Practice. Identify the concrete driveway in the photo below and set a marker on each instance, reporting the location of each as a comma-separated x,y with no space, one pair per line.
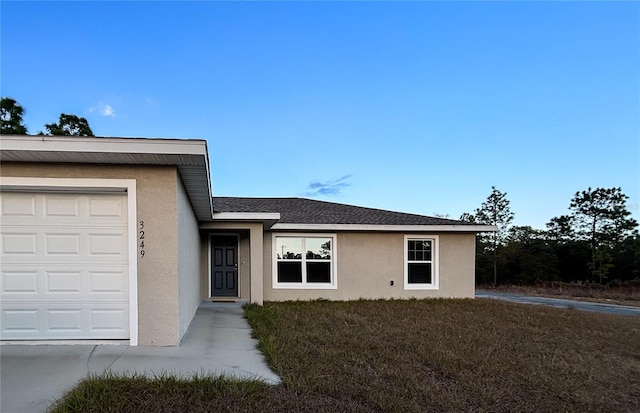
218,341
560,303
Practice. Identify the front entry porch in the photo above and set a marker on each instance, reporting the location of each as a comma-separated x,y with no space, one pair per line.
232,261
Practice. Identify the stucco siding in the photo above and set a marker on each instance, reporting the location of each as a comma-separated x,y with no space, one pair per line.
367,262
156,206
244,259
458,265
189,295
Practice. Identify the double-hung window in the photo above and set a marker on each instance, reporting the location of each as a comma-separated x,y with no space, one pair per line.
304,261
421,262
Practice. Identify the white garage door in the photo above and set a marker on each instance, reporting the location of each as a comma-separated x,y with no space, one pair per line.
64,266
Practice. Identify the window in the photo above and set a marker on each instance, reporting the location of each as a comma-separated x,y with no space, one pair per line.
304,261
421,262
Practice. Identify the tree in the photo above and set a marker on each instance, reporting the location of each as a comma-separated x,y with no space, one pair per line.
559,230
495,211
601,218
626,259
467,217
11,115
528,256
69,125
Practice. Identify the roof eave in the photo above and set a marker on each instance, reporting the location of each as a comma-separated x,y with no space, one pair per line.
245,216
190,157
267,219
383,228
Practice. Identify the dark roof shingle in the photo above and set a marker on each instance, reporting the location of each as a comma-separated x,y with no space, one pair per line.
311,211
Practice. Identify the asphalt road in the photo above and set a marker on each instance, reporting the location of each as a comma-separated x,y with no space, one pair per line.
560,303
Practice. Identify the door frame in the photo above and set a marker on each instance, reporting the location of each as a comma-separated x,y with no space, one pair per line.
223,234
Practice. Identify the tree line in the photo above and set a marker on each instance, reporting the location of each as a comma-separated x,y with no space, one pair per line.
12,113
597,242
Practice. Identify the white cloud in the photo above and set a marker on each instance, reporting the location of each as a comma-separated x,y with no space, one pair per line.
107,110
103,109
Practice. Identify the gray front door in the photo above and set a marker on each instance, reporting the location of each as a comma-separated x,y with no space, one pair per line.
224,266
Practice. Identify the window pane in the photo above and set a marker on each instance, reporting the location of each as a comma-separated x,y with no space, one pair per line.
426,248
319,272
318,248
289,272
288,248
419,273
419,250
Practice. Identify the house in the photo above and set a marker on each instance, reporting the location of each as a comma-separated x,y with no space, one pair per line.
121,239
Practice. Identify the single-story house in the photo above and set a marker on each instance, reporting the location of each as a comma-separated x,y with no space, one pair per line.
121,239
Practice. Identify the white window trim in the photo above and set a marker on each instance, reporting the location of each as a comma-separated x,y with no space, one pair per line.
435,262
304,285
88,185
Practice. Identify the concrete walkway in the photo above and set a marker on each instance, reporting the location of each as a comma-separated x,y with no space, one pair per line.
560,303
218,342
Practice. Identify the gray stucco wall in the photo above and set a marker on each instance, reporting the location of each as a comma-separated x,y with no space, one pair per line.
368,261
189,293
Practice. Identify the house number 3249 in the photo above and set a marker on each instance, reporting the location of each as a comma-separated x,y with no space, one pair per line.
141,238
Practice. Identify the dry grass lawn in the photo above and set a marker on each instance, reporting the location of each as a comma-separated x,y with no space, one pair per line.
409,356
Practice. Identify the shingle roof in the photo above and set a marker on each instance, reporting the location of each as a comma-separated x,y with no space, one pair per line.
311,211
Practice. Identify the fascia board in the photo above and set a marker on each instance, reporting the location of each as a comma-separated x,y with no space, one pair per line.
384,228
246,216
103,145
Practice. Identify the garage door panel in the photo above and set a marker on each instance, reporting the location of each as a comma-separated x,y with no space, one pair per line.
61,206
18,205
106,209
107,243
110,320
18,282
64,266
51,208
18,243
20,322
112,283
35,321
59,282
56,282
64,320
62,243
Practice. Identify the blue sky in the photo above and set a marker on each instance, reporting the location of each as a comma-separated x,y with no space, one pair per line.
411,106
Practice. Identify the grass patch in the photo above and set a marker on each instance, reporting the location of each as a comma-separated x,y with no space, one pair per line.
165,393
456,355
408,356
